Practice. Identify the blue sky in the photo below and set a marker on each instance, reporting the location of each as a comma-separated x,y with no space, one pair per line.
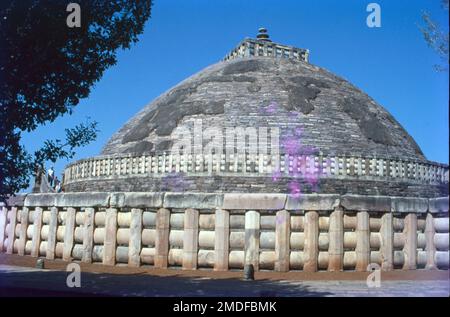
392,64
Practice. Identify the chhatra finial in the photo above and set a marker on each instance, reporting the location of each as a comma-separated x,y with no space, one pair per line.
262,35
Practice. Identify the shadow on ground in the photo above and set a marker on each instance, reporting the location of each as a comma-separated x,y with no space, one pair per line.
53,283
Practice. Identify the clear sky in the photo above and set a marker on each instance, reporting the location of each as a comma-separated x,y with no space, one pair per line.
392,64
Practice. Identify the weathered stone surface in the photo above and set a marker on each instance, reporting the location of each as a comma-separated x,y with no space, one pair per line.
190,239
366,203
17,200
257,184
40,200
23,216
335,117
254,201
91,199
69,234
282,239
336,240
438,204
162,238
88,235
221,241
134,258
136,199
139,200
410,248
293,85
3,214
109,250
387,243
430,248
52,227
116,200
312,202
12,230
252,229
192,200
36,235
311,249
362,250
409,204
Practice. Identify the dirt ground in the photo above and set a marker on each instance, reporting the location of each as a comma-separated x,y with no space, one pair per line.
417,275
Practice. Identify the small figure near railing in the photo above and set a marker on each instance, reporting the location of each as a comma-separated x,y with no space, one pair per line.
46,182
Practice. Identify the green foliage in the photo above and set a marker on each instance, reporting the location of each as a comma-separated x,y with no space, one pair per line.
47,67
78,136
436,37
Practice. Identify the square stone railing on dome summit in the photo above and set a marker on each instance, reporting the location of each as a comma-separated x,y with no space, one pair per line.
253,47
226,231
257,165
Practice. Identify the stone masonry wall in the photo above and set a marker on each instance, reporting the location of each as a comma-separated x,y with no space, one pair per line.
226,231
255,173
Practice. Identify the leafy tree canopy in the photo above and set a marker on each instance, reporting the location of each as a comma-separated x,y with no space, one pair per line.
436,37
46,67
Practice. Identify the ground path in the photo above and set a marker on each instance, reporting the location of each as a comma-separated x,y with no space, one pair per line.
19,278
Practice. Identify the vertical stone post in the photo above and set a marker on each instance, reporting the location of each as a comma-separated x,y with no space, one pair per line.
336,238
68,234
23,231
109,249
12,230
362,241
430,248
387,242
252,226
282,240
410,248
37,226
221,240
88,236
134,245
51,240
3,214
190,239
162,237
311,249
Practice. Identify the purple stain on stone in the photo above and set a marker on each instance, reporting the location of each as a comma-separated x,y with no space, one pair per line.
270,109
294,189
291,145
297,167
280,219
293,114
174,182
276,175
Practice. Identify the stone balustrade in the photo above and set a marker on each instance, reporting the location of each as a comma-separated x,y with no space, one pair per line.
319,166
253,47
226,231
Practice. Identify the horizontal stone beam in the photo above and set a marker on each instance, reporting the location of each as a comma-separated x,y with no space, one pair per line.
89,199
312,202
366,203
254,201
409,204
40,200
438,204
17,200
192,200
233,201
136,200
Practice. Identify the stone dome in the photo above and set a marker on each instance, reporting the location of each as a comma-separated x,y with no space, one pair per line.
335,117
262,120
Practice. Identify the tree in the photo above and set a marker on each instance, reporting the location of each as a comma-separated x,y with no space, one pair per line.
46,67
436,37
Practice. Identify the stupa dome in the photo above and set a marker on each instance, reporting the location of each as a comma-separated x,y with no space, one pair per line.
257,121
